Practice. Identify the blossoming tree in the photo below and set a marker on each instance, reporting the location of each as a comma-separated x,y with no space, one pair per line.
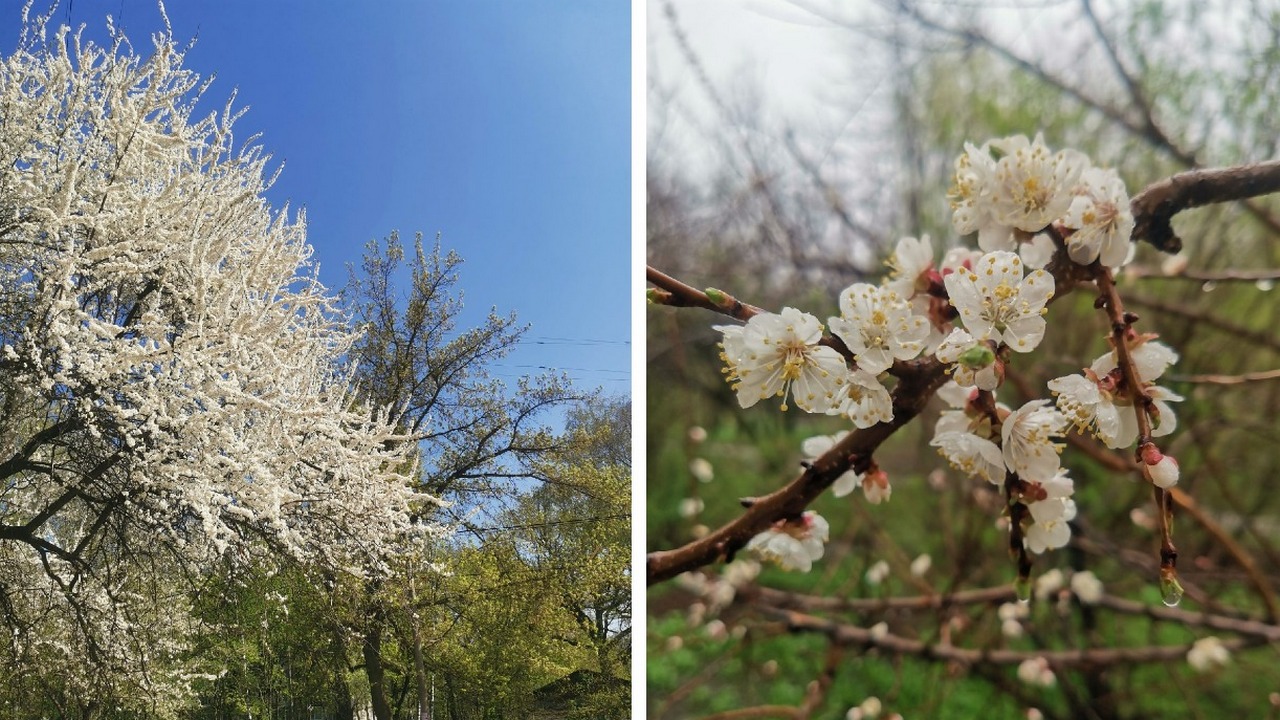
172,374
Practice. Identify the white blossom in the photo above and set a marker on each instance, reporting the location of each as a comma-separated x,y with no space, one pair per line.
973,362
780,355
1100,214
1086,587
793,544
1027,445
910,263
1150,358
864,400
1207,653
1036,671
817,446
702,469
878,327
995,301
1037,252
691,506
972,197
877,573
921,565
974,456
1095,405
1032,184
1049,583
1049,529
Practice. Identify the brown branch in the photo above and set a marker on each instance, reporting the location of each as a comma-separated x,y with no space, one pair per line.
916,384
679,294
759,711
787,600
854,635
1228,379
1154,207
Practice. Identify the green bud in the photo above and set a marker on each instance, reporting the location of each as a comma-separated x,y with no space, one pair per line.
716,296
977,357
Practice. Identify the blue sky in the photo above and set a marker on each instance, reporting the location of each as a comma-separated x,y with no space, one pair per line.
503,125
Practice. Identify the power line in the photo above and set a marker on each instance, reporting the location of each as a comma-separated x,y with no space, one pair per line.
548,340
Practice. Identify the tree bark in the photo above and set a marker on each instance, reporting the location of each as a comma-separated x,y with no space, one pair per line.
419,669
342,701
372,649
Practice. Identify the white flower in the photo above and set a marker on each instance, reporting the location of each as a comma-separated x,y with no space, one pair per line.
1049,583
1086,587
1049,530
877,572
971,193
817,446
864,400
910,264
690,507
974,363
1102,219
959,257
1038,251
1036,671
702,469
871,708
878,326
996,302
972,455
878,631
921,565
1096,405
1011,616
1206,653
1150,359
1032,185
793,544
1026,444
781,355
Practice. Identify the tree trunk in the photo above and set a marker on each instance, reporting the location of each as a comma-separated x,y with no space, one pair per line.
373,669
419,669
343,704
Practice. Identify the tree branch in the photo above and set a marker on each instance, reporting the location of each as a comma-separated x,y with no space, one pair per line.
1154,207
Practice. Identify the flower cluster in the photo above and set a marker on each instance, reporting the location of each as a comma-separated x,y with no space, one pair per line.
973,312
1029,188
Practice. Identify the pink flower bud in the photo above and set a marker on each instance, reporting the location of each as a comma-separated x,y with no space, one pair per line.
1151,454
1164,473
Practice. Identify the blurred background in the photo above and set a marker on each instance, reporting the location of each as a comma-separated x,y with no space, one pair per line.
791,144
